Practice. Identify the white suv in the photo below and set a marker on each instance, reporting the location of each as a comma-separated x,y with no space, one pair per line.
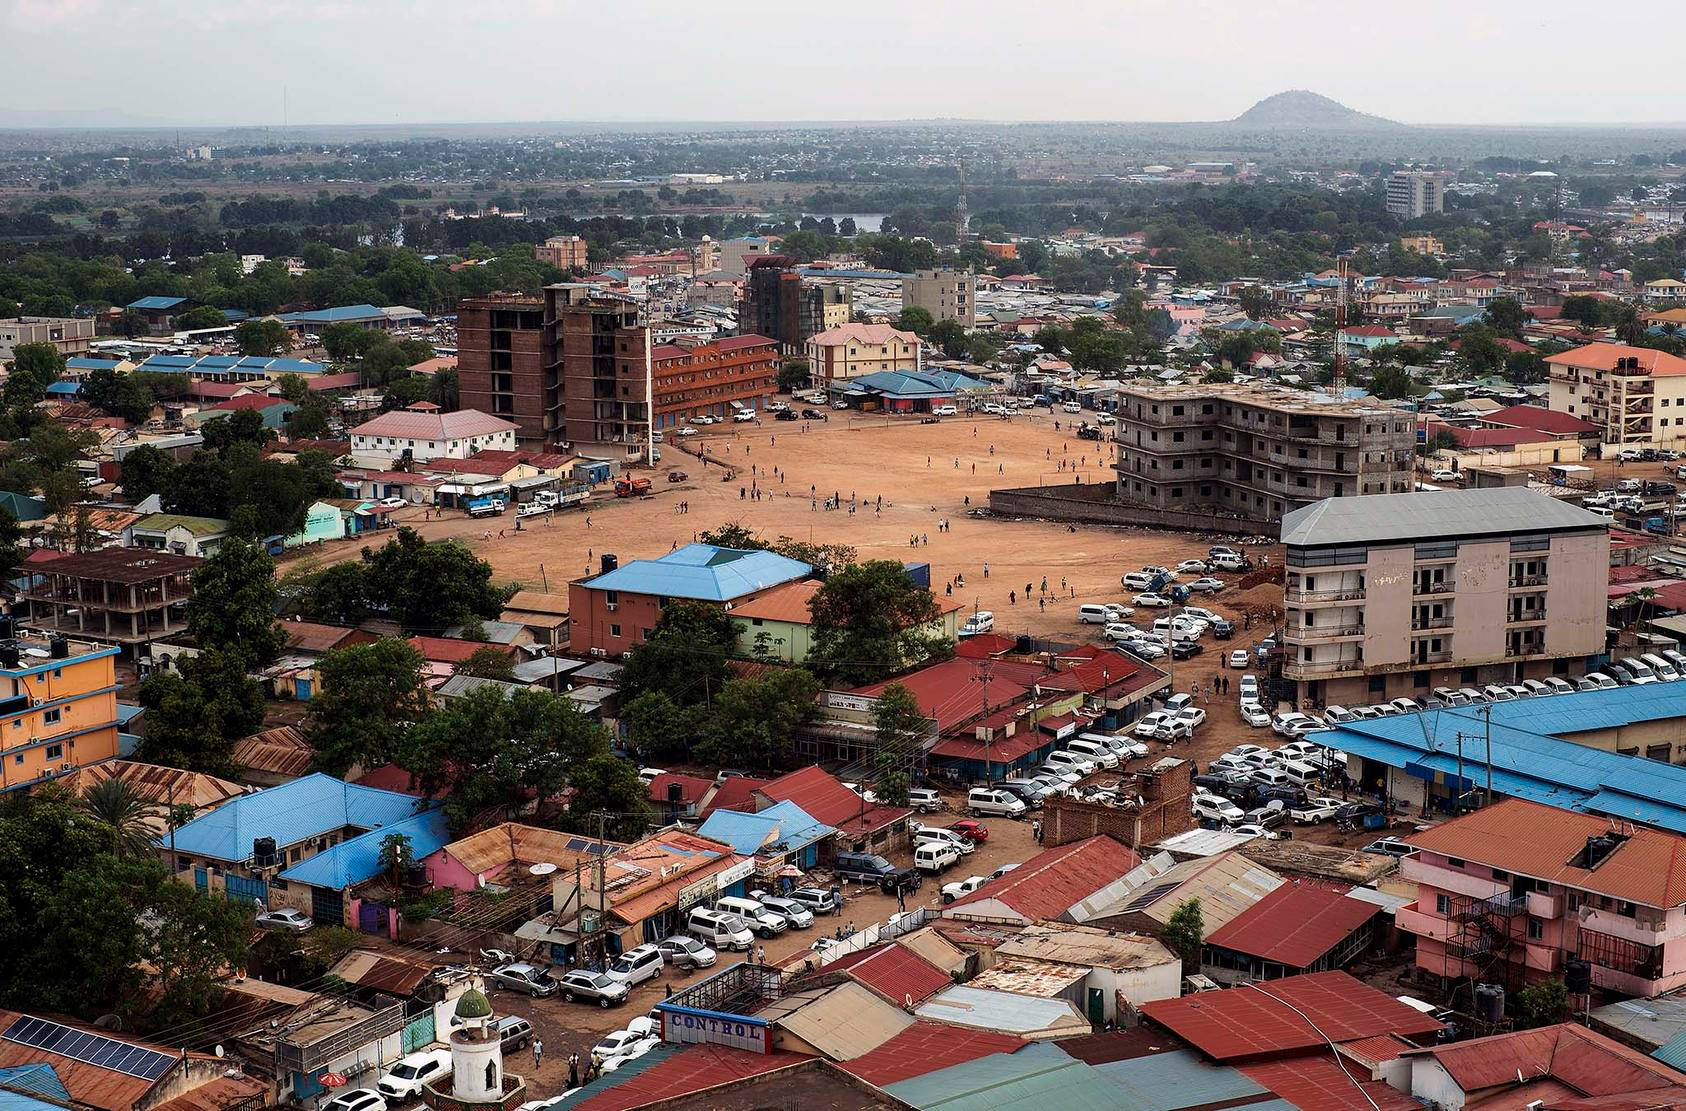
405,1079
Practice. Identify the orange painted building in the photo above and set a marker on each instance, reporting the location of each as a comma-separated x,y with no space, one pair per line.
713,379
58,708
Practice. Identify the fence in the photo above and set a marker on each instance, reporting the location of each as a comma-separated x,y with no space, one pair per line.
897,925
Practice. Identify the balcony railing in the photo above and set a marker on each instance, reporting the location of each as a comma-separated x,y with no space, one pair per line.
1504,904
1519,581
1441,657
1322,667
1323,632
1421,623
1348,595
1436,586
1524,649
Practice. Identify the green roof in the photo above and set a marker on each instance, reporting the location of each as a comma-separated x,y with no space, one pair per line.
198,526
473,1004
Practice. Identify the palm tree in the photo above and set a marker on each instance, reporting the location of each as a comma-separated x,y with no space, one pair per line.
129,814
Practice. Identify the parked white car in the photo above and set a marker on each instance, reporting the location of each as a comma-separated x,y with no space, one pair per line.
959,889
1217,809
1253,715
1153,601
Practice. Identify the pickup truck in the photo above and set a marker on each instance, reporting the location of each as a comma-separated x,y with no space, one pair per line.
1315,810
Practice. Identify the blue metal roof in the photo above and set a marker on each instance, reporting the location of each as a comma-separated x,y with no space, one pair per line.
82,362
65,389
35,1079
907,383
1672,1052
157,303
1035,1078
782,828
291,813
703,572
1531,757
352,861
1169,1081
223,364
337,314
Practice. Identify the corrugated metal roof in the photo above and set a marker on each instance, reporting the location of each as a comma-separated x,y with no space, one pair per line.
1174,1080
1318,1083
1295,924
1404,518
704,572
894,972
926,1047
781,828
964,1005
1035,1078
1256,1019
1646,1022
1087,947
462,424
669,1071
1050,883
845,1022
359,858
290,813
1226,885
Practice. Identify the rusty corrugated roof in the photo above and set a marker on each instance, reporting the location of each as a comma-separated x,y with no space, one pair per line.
926,1047
1051,883
1295,924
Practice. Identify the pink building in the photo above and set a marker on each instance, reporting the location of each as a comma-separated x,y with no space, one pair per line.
1511,893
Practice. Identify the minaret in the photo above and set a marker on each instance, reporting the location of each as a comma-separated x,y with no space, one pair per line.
962,219
476,1052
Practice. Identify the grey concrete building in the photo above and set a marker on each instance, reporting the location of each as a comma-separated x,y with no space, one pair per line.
946,294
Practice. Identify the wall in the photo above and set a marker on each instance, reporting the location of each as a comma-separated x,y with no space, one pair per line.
1098,503
1165,814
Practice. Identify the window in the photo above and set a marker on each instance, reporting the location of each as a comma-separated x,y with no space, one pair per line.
55,752
1443,905
1536,930
614,630
51,717
1455,862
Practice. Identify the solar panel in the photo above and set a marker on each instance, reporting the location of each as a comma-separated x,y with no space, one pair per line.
1149,897
91,1048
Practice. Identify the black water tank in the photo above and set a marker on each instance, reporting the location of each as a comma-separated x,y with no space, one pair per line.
610,562
8,628
10,657
1489,1002
59,648
675,793
1578,977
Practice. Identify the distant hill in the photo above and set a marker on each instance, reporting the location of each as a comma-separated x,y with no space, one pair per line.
1298,108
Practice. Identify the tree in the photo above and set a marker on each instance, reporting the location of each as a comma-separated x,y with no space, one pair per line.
119,395
195,714
657,727
396,856
1184,933
610,785
870,621
199,318
1255,302
1542,1004
243,426
1506,316
950,336
916,320
1526,368
793,374
1586,311
339,595
192,939
1479,349
309,421
126,813
263,338
685,655
35,366
11,556
487,663
1392,382
430,586
367,690
754,720
233,605
497,753
899,726
349,341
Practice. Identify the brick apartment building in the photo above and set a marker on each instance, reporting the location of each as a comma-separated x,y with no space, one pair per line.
1253,451
565,252
570,367
779,304
1392,596
1511,893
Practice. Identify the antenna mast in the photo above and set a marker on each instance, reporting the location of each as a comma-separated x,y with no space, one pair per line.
1337,381
962,219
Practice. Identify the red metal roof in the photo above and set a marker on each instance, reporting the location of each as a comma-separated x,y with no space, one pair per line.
895,972
1050,883
1318,1083
926,1047
984,645
737,343
452,650
1295,924
251,401
686,1072
734,794
822,795
692,787
955,691
1256,1019
1587,1062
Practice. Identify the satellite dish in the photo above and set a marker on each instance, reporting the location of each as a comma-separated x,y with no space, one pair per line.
37,653
544,869
218,1050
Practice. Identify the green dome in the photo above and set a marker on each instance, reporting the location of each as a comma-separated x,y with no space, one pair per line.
473,1004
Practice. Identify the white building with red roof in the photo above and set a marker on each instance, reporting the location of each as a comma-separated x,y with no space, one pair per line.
425,432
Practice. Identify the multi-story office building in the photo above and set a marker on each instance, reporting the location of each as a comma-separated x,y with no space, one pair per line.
1412,194
565,252
58,707
1636,395
1255,452
70,335
946,294
572,367
1394,595
1511,893
780,304
851,350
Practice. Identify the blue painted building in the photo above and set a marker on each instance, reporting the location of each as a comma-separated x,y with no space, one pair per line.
782,833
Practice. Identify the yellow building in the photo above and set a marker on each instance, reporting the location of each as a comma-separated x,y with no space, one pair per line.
851,350
1423,245
58,708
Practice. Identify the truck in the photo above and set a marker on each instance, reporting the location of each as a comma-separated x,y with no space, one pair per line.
485,506
632,487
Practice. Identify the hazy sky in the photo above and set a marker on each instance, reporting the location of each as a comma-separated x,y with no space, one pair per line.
391,61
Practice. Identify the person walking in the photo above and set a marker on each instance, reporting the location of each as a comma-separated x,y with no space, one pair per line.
538,1052
761,954
573,1071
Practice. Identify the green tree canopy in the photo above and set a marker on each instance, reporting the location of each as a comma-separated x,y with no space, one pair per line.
368,692
195,715
233,604
685,656
870,621
430,586
754,720
263,338
1184,933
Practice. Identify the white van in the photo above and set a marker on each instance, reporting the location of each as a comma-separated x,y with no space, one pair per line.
1093,615
1637,670
937,835
1678,659
934,857
1272,777
1299,772
980,622
757,917
924,800
719,930
1663,669
1101,753
994,800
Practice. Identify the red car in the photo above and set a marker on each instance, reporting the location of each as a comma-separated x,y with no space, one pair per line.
971,829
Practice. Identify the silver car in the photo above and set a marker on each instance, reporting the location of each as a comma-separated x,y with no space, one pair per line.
687,952
794,912
293,921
